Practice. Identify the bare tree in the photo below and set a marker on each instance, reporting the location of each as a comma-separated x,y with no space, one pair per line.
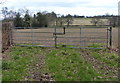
100,23
24,11
5,12
2,1
61,20
69,20
113,21
95,21
8,14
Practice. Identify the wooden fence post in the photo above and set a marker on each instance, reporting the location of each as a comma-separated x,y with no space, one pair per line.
6,35
110,37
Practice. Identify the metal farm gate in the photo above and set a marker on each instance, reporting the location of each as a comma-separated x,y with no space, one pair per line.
95,38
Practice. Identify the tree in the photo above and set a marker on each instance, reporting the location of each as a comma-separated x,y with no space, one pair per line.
51,18
61,20
101,22
5,12
34,21
40,19
27,22
69,20
2,1
23,11
18,22
113,21
95,21
8,15
11,14
44,19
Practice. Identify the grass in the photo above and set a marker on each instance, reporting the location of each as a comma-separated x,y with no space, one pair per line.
110,59
63,64
15,68
0,70
104,55
67,65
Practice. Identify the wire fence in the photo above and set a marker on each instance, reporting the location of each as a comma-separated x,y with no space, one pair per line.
68,37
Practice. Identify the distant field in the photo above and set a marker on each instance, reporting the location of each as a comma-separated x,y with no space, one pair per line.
82,21
44,36
87,21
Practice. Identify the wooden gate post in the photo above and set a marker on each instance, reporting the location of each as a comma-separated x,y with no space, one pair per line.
55,40
0,51
110,37
6,35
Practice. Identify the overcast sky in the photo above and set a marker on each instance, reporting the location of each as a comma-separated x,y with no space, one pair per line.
78,7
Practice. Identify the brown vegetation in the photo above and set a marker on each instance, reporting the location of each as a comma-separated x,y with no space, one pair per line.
6,35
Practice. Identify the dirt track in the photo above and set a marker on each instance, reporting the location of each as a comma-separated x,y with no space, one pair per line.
99,65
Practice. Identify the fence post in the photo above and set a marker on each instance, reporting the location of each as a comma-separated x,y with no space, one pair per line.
110,36
107,37
11,33
55,36
80,36
63,30
1,50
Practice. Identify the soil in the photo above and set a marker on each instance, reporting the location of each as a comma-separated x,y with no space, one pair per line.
100,66
35,72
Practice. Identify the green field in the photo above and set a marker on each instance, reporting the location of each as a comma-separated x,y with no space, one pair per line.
59,64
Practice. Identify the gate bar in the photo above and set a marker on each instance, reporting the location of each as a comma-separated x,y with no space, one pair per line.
80,36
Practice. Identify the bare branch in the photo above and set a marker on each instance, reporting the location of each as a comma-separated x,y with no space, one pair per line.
2,1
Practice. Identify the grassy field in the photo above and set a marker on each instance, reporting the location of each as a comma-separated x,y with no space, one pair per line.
87,21
59,64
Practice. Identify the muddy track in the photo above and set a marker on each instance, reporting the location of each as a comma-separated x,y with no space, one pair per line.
100,66
35,72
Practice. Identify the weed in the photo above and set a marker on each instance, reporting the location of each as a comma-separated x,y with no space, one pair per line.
6,65
16,57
